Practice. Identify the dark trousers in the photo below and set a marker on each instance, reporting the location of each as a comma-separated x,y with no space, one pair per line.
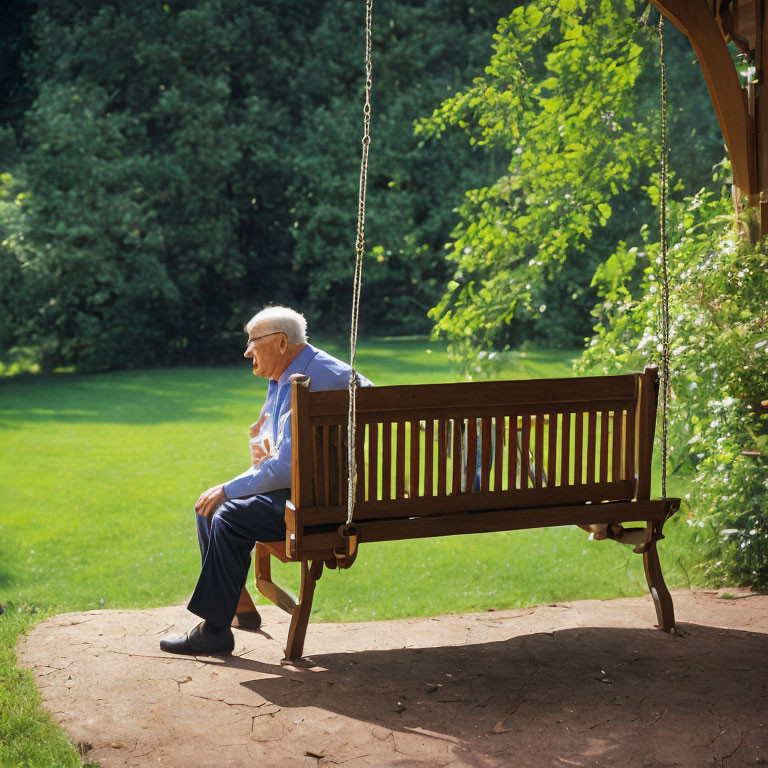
227,539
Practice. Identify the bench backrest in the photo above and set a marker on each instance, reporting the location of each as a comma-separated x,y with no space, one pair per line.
432,449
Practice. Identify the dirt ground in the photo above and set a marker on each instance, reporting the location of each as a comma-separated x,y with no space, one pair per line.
589,683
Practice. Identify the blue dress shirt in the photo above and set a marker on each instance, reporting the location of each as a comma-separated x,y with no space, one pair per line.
274,472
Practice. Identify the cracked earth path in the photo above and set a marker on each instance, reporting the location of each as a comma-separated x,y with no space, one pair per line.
589,683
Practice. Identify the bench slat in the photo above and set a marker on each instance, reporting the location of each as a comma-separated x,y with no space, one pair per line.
442,457
591,443
429,458
493,394
386,466
512,453
498,460
502,520
466,411
373,466
604,446
360,465
538,472
456,473
565,450
578,449
326,464
433,505
552,450
317,475
470,471
400,461
646,429
415,434
486,459
320,545
340,474
617,436
525,453
629,451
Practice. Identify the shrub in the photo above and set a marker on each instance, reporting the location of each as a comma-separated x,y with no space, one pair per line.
719,357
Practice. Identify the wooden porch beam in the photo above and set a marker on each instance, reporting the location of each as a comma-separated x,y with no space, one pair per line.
697,21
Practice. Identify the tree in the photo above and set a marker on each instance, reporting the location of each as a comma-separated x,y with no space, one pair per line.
183,164
567,96
421,52
134,207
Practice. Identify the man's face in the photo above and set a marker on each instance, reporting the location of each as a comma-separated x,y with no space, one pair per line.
266,349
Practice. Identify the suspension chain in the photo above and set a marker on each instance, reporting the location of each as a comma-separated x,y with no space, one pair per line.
357,281
664,257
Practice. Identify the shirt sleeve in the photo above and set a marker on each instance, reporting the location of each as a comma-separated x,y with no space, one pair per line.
363,381
272,474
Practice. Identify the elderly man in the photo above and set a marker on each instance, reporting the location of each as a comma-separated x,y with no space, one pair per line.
233,516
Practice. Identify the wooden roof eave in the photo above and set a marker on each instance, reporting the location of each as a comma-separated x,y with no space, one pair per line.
697,21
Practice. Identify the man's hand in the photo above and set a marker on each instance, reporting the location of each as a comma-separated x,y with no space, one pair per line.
259,452
210,500
255,428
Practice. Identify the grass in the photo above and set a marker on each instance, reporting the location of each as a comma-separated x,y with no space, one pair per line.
98,475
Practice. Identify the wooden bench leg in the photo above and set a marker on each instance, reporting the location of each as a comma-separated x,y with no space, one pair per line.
266,586
245,604
310,573
662,600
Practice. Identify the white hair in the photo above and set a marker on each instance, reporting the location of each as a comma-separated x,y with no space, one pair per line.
282,319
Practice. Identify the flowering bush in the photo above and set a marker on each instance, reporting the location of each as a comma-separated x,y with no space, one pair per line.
719,360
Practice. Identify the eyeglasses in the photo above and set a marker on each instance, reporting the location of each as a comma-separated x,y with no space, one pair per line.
251,342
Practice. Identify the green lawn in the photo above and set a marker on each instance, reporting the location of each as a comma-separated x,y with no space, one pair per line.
98,475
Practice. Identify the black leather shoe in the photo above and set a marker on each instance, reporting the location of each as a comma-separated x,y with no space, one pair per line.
199,641
247,620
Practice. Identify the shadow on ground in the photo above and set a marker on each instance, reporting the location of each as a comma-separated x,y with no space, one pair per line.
572,693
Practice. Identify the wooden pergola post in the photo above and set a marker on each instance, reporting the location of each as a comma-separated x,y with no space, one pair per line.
742,111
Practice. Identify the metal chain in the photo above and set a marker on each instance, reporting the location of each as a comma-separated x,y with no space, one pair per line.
664,254
357,281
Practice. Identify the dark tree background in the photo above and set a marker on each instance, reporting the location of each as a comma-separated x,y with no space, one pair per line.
167,169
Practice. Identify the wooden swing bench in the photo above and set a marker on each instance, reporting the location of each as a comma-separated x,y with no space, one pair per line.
444,459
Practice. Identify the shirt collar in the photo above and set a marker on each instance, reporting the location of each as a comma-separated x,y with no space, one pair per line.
299,364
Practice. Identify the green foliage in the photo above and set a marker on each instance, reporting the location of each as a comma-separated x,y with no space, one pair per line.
559,97
134,219
578,84
15,42
178,165
182,164
422,50
719,343
570,96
